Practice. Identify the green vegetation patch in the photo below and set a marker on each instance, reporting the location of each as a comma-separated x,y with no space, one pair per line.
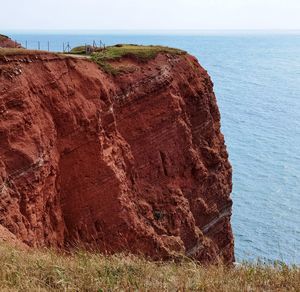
103,57
141,53
81,50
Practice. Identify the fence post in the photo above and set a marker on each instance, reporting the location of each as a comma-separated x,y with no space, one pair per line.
39,45
26,44
48,46
63,47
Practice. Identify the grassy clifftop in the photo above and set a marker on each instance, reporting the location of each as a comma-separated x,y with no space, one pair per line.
105,57
48,271
122,50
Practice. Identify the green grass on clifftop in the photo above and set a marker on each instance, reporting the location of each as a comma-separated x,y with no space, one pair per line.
112,53
142,53
46,270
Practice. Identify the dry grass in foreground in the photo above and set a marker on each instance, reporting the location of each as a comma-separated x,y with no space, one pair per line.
48,271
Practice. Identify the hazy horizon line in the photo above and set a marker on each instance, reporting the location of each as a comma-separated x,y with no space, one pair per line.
148,31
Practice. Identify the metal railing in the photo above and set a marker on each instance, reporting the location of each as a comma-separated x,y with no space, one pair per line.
56,46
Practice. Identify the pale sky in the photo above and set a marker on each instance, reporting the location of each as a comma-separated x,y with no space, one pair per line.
149,14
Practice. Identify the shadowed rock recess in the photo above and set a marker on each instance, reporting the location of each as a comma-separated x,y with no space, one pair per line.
128,162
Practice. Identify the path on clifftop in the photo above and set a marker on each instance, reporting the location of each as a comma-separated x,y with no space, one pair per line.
78,56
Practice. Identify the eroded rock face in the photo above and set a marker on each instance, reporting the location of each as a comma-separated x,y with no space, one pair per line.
6,42
134,162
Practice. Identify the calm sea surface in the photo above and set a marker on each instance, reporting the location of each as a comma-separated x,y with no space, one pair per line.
257,83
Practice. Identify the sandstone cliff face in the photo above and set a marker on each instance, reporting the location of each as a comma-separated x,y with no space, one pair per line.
6,42
134,162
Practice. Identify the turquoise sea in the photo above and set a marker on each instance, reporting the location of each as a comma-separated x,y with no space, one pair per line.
257,83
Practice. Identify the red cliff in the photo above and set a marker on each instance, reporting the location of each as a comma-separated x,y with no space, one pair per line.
134,162
6,42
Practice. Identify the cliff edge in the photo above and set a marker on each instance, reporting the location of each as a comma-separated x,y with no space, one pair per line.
132,161
6,42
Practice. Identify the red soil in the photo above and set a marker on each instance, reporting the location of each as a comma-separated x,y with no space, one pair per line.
6,42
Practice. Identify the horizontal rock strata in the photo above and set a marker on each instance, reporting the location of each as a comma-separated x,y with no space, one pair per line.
134,162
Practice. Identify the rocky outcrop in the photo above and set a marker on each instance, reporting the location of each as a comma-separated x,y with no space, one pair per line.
6,42
134,162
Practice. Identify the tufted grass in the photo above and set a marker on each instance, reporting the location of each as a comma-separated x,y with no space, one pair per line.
122,50
78,50
19,51
141,53
46,270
